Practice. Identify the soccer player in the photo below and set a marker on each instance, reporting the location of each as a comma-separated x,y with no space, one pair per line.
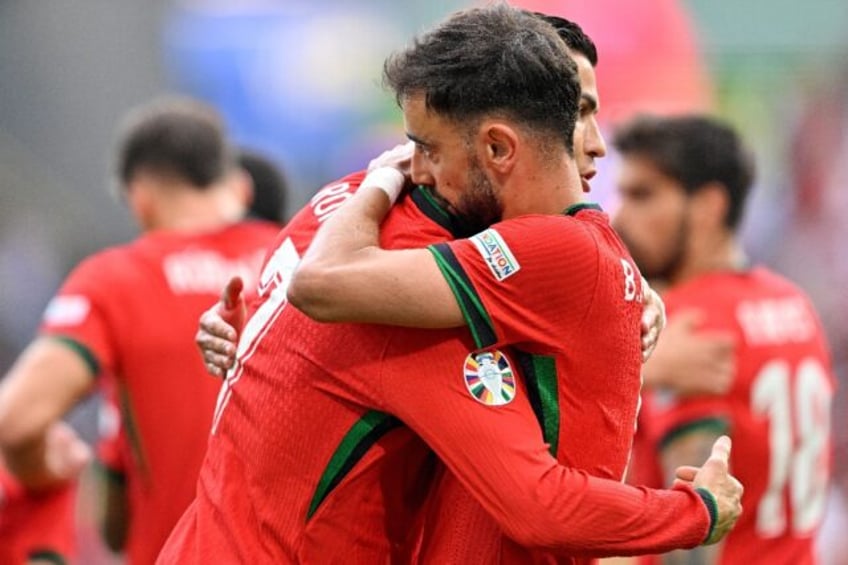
128,313
683,184
270,187
307,418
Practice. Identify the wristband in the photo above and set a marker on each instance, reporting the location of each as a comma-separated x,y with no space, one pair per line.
712,507
387,179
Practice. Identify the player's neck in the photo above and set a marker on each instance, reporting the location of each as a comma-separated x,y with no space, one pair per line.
711,255
542,188
194,211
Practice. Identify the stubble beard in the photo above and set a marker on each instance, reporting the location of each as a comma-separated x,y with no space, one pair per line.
479,206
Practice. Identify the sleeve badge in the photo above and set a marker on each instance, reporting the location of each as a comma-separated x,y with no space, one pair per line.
489,378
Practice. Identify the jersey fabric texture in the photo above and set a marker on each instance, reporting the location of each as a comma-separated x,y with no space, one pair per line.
309,461
777,411
131,312
571,304
36,526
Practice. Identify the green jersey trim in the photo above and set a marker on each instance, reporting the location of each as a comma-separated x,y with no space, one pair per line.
478,320
540,376
364,433
575,208
84,352
46,555
423,197
716,425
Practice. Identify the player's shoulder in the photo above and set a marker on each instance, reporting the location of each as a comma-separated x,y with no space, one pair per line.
771,281
106,263
560,229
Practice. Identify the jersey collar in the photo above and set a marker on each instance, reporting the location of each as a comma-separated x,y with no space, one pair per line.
580,206
430,205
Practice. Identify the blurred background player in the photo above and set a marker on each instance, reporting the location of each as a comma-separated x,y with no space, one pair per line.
129,313
683,184
270,188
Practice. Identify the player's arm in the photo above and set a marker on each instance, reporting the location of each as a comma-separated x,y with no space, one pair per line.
48,378
346,276
498,454
689,360
688,447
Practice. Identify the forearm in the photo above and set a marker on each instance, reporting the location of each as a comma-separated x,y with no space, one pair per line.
602,518
332,265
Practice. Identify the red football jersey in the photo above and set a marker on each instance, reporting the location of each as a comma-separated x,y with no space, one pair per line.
36,525
131,311
309,462
564,291
777,411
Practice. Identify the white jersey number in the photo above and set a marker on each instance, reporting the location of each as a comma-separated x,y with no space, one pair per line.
799,427
273,285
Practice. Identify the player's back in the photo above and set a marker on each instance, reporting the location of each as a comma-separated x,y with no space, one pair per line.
778,410
142,302
303,466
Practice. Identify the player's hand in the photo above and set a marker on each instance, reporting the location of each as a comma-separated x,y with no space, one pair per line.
66,455
220,326
653,320
715,477
691,361
399,157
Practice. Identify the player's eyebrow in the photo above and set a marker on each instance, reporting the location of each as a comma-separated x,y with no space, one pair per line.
417,140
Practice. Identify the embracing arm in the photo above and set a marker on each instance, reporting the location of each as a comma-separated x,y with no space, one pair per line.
498,454
346,276
45,382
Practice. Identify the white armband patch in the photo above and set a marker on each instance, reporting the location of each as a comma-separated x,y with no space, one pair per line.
68,310
496,253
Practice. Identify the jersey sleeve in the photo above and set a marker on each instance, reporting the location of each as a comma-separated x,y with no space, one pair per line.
81,314
523,280
477,418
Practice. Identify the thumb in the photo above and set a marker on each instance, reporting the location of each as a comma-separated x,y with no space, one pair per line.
232,292
721,450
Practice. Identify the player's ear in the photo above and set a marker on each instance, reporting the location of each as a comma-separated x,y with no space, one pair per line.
713,204
242,184
500,143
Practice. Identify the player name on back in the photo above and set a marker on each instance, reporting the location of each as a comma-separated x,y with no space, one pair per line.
776,321
207,272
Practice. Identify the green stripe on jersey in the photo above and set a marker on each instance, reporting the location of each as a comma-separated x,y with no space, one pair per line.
478,320
541,378
715,425
84,352
46,556
364,433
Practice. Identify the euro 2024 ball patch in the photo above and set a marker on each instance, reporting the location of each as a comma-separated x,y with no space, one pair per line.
489,377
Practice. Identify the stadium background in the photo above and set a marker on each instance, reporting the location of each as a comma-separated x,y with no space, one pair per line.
299,80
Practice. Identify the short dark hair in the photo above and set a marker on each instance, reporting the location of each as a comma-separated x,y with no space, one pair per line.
496,60
175,137
573,36
270,187
694,150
